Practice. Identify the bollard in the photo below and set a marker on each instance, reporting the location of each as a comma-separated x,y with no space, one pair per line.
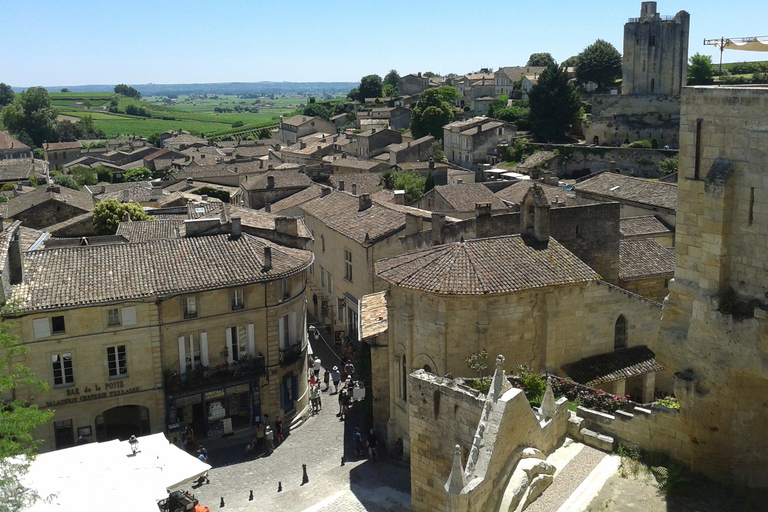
222,502
304,478
250,498
279,486
342,460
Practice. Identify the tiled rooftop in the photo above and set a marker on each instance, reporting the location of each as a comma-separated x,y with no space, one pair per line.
646,225
613,366
24,202
515,192
465,196
143,231
81,276
299,198
627,188
502,264
367,183
283,179
373,315
8,141
644,258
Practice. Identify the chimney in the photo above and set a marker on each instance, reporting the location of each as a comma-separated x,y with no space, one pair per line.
126,217
126,195
344,154
373,130
236,227
413,224
270,181
438,222
459,181
354,189
302,144
204,198
53,188
157,191
267,259
482,209
408,144
287,225
399,196
324,191
341,185
613,166
365,202
268,207
189,181
16,259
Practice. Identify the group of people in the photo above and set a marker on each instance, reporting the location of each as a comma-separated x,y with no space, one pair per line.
372,443
267,436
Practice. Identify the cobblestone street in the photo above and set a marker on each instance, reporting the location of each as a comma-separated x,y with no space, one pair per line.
319,443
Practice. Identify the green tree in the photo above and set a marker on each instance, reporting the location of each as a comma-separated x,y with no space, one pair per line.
412,183
65,180
392,78
64,89
154,139
554,105
389,91
570,62
429,184
668,166
140,174
207,190
354,94
107,215
6,95
701,70
31,114
317,110
18,421
432,112
127,91
600,63
540,59
370,87
436,152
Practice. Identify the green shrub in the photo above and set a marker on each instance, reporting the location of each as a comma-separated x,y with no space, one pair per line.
7,187
626,140
532,384
640,144
65,180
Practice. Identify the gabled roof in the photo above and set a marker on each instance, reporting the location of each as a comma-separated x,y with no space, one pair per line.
627,188
373,315
143,231
87,275
645,226
503,264
299,120
644,258
515,72
18,169
24,202
59,146
465,196
613,366
8,141
283,179
366,183
297,199
515,192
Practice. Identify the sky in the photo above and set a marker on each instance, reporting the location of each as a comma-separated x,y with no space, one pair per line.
64,43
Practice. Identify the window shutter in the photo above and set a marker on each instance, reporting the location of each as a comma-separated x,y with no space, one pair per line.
294,388
230,359
182,355
42,327
281,330
251,340
204,348
192,351
129,315
292,328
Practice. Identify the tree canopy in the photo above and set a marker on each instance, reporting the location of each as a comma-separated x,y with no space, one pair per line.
31,116
433,111
540,59
600,63
409,181
127,91
370,87
139,174
701,70
6,95
18,421
317,110
67,131
392,78
554,105
107,215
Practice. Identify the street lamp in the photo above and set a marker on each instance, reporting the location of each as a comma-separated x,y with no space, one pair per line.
134,444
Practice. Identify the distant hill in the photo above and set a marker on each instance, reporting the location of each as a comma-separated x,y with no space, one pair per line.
220,88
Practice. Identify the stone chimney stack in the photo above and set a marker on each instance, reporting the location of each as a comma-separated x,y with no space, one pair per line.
400,197
287,225
482,209
413,224
268,207
365,202
267,259
126,195
270,181
438,222
236,227
324,191
613,166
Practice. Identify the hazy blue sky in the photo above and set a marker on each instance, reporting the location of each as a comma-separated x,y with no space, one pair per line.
50,42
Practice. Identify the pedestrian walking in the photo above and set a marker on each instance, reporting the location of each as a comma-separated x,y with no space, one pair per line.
279,430
373,444
349,370
336,376
344,401
313,399
269,436
319,398
259,434
327,379
357,440
316,365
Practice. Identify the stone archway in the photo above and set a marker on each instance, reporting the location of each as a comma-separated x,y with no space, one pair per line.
122,422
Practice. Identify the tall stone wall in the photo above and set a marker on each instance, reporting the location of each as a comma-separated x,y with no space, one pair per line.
616,118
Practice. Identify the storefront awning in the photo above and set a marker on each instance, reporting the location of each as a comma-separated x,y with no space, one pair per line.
618,365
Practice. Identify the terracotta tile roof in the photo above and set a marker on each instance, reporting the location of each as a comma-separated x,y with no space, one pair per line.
259,219
621,364
646,225
142,231
137,192
515,72
644,258
339,211
8,141
80,276
515,192
283,179
299,198
58,146
298,120
24,202
18,169
354,163
626,188
465,196
502,264
373,315
367,183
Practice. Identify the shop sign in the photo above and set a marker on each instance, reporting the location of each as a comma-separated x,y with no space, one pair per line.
95,392
219,393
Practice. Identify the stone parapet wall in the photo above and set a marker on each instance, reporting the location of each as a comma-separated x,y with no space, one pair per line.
643,117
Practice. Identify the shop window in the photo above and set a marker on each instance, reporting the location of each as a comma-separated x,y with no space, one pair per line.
190,307
64,434
63,373
237,299
620,333
117,362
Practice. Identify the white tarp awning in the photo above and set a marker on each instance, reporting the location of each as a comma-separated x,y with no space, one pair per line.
91,476
750,46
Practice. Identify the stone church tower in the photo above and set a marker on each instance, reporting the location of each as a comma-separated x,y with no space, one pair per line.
655,52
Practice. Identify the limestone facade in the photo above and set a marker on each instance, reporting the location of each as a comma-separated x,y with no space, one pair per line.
714,333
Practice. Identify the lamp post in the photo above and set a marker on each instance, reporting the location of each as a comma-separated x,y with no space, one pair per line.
134,444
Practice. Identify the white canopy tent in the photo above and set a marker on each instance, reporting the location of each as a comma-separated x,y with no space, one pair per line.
749,44
108,476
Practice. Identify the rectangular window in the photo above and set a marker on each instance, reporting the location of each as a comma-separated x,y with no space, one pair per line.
341,307
284,289
63,374
113,317
237,299
347,265
190,307
57,325
234,344
117,361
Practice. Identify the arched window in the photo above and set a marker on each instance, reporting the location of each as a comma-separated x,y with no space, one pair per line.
404,373
620,333
427,368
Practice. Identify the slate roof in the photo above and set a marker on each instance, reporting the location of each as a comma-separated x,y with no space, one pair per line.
645,226
627,188
621,364
87,275
503,264
283,179
373,315
8,141
465,196
515,192
24,202
339,211
367,183
644,258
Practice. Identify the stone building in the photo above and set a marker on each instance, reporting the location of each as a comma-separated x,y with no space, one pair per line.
11,148
272,186
137,338
46,206
58,154
298,126
525,296
475,141
655,59
714,333
459,201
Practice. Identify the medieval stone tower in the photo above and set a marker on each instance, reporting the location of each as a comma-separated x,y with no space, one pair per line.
655,52
714,328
